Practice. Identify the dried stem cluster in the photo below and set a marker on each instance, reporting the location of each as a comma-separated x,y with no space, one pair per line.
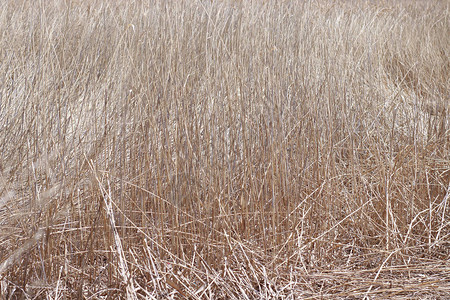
225,150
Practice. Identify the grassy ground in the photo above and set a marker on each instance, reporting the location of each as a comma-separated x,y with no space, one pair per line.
225,150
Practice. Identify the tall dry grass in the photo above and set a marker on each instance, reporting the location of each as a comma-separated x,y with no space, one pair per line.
225,150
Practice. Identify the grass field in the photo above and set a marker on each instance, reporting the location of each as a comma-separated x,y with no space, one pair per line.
224,150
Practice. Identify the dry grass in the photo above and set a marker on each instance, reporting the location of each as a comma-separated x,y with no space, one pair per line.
226,150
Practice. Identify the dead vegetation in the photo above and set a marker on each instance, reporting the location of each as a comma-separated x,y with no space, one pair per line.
225,150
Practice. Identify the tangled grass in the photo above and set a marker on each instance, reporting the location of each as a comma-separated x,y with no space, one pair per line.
224,150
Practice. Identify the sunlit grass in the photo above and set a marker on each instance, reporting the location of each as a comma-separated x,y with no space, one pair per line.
225,150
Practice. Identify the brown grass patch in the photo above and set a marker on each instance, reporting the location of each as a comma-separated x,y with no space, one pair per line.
225,150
